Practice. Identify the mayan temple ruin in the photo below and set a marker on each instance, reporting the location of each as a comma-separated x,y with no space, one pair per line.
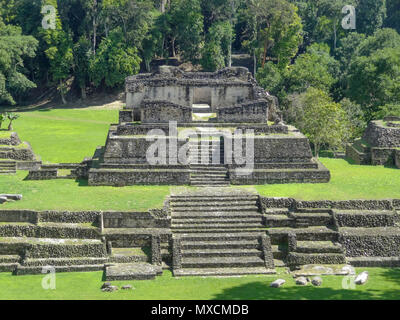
212,107
213,229
380,144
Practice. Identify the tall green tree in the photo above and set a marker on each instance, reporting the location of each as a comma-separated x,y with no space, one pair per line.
114,61
323,121
277,30
393,15
216,53
374,74
14,48
370,15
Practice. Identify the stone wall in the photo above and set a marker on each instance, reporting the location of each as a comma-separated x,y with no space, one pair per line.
11,140
265,176
256,112
278,148
389,204
382,156
378,135
162,111
223,88
133,149
370,242
134,220
116,177
397,158
22,152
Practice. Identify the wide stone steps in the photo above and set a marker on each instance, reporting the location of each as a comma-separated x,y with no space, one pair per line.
277,211
9,259
232,244
296,258
374,262
217,220
278,252
215,204
201,185
128,255
49,230
22,270
207,175
207,199
215,226
222,272
75,261
222,262
233,236
318,247
216,230
51,248
278,221
216,214
8,167
213,208
222,252
303,234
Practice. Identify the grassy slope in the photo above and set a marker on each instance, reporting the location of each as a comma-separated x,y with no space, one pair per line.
347,182
64,135
383,284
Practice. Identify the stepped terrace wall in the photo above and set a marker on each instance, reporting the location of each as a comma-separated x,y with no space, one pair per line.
9,139
161,111
379,135
225,87
134,149
256,111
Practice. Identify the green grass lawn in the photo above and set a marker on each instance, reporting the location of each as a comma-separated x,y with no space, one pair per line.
383,284
347,182
68,135
74,196
65,135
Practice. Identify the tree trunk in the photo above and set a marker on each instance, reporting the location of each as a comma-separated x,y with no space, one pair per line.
316,150
334,35
10,127
62,94
265,53
255,63
94,26
83,92
173,47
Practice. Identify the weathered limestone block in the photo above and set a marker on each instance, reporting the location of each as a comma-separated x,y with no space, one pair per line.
362,278
163,111
370,242
10,139
379,135
277,283
382,156
397,158
248,112
138,149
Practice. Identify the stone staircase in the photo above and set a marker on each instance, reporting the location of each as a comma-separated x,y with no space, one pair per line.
219,235
207,162
303,236
8,167
29,242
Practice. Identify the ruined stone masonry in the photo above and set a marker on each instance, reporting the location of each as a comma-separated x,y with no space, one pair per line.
380,144
233,100
208,232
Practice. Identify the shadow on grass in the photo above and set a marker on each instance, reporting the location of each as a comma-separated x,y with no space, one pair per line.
262,291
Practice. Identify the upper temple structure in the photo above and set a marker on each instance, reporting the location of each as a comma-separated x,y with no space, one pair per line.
202,129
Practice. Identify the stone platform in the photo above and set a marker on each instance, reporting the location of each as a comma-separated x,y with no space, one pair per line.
380,144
